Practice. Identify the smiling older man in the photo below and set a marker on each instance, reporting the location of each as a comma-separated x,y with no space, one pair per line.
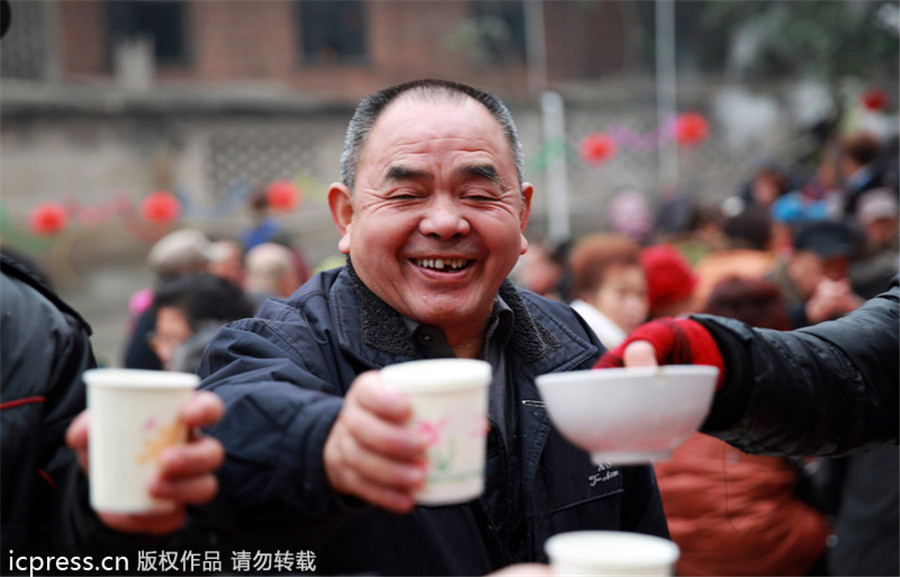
432,210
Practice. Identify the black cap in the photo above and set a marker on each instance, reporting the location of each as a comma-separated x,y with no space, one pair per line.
826,238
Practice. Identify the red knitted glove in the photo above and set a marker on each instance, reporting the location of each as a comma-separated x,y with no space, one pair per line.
677,342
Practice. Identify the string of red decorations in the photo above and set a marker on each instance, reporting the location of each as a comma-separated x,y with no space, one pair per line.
159,208
688,129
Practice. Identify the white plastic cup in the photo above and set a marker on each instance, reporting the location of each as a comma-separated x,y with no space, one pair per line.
134,417
611,553
449,399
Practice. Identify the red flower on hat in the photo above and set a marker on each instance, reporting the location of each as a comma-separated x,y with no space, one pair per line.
48,218
283,195
691,129
597,147
160,207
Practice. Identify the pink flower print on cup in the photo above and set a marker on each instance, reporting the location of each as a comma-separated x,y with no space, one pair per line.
433,432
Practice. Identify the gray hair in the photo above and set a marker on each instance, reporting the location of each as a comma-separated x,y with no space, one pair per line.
371,107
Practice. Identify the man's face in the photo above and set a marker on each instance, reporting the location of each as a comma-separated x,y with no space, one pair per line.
437,218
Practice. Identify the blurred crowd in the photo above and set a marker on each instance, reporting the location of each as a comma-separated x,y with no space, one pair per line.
784,251
788,249
201,283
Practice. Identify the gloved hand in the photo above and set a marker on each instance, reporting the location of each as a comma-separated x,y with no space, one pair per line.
674,342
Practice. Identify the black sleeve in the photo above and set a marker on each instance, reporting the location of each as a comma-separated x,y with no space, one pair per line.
826,390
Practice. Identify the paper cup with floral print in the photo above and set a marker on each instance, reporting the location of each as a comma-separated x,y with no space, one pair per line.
449,399
134,418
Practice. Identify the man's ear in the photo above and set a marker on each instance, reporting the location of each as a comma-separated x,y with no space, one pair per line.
525,213
341,206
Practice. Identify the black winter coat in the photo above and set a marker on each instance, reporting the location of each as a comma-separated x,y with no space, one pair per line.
44,348
826,390
283,376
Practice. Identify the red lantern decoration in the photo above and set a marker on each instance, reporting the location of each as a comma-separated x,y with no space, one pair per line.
597,147
874,99
283,195
160,207
48,218
691,129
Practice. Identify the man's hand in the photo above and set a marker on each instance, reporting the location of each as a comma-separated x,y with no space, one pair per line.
186,471
370,453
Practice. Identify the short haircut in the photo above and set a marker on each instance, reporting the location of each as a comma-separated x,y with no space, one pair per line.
861,148
594,255
371,107
756,302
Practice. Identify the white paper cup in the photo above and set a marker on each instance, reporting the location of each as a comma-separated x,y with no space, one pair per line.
610,553
449,399
134,417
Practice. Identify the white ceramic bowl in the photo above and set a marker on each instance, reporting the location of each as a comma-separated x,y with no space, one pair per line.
629,415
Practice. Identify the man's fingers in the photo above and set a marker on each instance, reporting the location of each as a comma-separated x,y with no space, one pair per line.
388,498
152,523
195,458
379,398
77,438
77,434
196,490
385,437
640,354
202,409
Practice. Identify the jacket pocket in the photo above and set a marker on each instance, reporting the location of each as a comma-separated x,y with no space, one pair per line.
578,494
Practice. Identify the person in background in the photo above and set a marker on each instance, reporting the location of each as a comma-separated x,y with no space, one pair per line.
544,269
670,280
768,183
44,348
271,272
226,259
878,218
813,280
181,252
189,310
859,169
609,286
431,210
747,253
628,214
732,513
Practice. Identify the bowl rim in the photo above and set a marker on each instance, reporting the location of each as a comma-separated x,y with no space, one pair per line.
618,373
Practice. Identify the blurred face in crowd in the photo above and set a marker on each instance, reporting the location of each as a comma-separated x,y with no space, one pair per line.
807,269
437,218
227,261
622,296
538,272
172,330
881,232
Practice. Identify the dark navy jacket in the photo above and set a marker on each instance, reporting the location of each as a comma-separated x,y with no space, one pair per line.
283,376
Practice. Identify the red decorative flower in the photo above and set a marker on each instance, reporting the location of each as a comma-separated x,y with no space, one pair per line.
691,129
283,195
597,147
48,218
874,99
160,207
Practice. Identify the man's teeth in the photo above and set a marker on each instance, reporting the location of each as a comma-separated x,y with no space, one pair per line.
442,263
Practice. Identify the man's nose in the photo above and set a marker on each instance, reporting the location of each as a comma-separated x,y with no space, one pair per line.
444,218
